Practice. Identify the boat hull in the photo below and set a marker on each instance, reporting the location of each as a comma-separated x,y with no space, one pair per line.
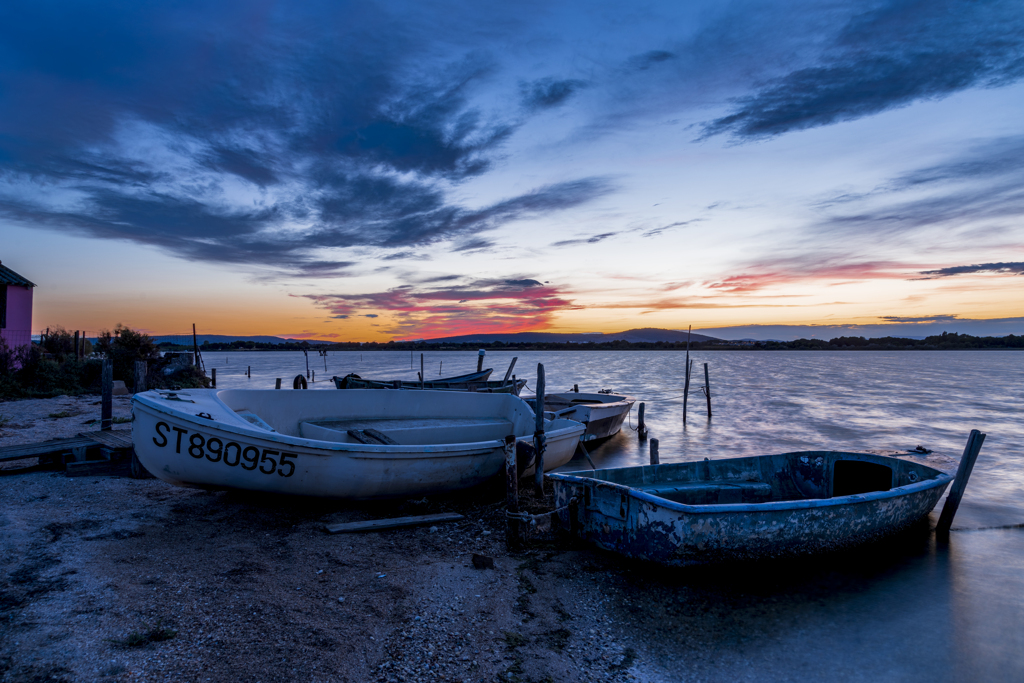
603,414
627,513
181,447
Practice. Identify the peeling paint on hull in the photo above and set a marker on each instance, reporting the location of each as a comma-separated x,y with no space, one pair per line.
747,508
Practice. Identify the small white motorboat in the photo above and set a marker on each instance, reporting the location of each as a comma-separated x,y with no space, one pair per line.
602,414
338,444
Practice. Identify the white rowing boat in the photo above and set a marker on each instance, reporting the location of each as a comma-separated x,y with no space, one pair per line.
602,414
338,444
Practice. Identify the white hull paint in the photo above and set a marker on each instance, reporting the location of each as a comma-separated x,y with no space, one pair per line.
602,414
297,442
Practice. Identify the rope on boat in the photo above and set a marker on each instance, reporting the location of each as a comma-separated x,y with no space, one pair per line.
542,520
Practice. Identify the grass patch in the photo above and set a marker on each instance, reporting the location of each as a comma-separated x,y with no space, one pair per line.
558,639
63,413
514,640
157,634
122,420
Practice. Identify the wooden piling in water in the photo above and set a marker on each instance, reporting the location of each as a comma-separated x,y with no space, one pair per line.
480,360
641,427
213,377
963,473
707,389
107,397
539,440
686,383
423,374
508,373
513,531
655,456
278,383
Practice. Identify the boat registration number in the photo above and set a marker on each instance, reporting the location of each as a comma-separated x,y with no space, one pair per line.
232,453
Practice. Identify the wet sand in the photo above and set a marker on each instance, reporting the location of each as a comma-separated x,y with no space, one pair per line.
231,586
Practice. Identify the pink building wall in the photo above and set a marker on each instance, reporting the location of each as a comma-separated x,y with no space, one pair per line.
18,331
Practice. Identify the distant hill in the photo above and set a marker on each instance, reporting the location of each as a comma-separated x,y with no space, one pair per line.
227,339
644,334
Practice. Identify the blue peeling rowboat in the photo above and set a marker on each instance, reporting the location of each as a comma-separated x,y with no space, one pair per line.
751,508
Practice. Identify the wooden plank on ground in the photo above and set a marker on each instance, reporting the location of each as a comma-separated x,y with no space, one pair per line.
393,523
116,439
54,446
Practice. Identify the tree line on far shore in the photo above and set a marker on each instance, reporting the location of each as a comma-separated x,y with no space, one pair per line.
944,341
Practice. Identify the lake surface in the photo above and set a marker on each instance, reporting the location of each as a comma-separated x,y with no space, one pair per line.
762,402
921,611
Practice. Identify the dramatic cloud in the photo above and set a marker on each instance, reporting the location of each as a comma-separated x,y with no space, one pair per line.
1014,268
811,267
254,134
515,305
896,53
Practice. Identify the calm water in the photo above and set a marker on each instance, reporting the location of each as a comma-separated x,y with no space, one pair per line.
763,402
919,610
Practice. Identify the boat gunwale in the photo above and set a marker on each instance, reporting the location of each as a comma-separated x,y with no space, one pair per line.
942,479
355,450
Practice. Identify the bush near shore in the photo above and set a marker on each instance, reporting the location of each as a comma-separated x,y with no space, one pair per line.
52,368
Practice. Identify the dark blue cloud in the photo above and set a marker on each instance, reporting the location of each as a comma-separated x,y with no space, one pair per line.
982,186
254,133
895,53
1013,267
547,92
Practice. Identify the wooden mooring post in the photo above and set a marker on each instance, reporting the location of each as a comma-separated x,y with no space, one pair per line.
107,396
141,370
480,359
963,473
539,440
423,374
655,456
513,529
277,384
213,377
707,389
686,384
641,426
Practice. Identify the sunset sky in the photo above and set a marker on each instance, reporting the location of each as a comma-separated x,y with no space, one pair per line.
368,171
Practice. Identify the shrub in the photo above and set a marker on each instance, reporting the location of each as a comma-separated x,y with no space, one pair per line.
124,347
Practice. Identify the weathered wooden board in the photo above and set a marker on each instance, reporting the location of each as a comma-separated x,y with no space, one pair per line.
393,523
55,446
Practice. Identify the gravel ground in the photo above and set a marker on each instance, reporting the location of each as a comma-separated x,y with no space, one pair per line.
41,419
114,579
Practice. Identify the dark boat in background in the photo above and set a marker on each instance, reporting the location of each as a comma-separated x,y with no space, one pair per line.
476,381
